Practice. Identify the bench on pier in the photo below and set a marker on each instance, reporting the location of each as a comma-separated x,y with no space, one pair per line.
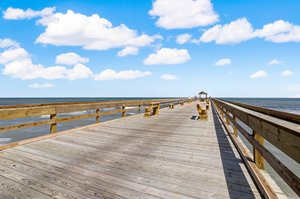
153,109
202,110
171,106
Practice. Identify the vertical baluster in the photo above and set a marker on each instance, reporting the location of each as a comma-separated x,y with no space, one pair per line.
258,158
53,127
235,130
227,118
123,112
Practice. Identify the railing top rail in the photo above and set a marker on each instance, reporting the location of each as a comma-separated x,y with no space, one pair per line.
106,102
284,124
292,117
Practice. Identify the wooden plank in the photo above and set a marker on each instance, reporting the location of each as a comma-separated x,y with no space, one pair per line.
258,158
11,189
53,126
275,113
24,125
14,113
166,156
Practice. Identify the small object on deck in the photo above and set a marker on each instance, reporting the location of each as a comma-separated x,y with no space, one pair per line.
202,111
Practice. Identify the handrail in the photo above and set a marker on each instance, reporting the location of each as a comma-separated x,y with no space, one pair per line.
275,113
284,135
53,110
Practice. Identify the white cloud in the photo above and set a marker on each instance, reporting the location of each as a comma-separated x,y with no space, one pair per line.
275,62
183,13
18,64
168,77
128,51
13,54
44,85
258,74
222,62
90,32
232,33
184,38
70,58
168,56
241,30
110,74
5,43
287,73
280,31
18,14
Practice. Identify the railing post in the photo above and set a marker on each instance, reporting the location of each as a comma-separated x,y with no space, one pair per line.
123,112
98,116
258,158
227,118
53,127
235,130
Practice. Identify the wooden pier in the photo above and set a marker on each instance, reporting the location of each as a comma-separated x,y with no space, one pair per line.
167,155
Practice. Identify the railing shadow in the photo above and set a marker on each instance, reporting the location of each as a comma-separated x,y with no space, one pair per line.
232,170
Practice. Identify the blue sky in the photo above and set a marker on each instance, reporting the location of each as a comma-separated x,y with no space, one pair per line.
133,48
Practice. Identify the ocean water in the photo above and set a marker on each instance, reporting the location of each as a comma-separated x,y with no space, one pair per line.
291,105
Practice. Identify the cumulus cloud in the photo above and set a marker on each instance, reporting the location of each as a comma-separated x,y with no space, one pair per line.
168,56
90,32
280,31
287,73
232,33
168,77
241,30
128,51
183,38
70,58
18,64
258,74
275,62
18,14
222,62
110,74
183,13
43,85
5,43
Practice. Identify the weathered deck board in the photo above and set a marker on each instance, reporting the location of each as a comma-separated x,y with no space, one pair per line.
171,155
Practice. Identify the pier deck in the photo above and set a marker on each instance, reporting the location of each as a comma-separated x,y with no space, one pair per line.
170,155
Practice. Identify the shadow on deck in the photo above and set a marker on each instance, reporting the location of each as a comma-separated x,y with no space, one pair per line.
228,152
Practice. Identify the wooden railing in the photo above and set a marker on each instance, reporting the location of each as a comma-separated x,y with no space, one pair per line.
55,109
282,132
